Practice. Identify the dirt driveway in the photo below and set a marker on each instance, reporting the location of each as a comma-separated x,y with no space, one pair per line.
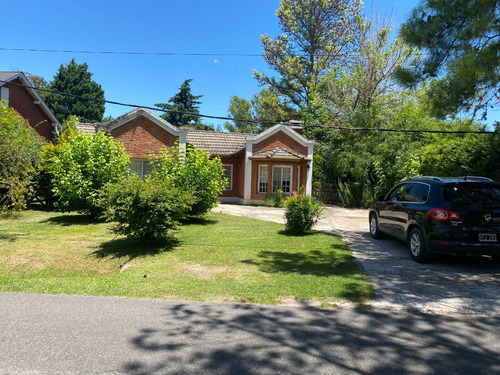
449,285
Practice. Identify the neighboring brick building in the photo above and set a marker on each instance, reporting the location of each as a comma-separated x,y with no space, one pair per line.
255,164
27,103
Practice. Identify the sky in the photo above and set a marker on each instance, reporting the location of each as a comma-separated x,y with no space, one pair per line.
213,30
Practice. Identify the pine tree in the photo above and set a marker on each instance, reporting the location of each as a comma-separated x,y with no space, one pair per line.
183,108
76,80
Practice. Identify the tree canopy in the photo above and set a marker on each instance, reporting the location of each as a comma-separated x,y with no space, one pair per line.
76,80
317,35
460,40
263,111
182,109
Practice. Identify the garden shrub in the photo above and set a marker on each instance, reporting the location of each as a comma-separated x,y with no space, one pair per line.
145,209
275,200
194,170
20,154
301,213
80,165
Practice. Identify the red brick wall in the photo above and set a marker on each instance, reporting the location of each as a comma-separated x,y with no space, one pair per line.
279,139
21,100
238,164
141,137
270,164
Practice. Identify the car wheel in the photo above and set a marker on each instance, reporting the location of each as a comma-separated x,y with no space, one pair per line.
374,231
417,246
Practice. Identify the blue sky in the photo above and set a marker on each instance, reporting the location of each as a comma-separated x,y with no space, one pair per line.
183,27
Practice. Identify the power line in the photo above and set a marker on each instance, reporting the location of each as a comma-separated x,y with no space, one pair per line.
131,52
333,127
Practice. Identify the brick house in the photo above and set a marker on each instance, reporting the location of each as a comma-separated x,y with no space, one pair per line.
28,104
255,164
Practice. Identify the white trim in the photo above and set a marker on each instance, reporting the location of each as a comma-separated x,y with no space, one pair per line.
309,170
126,118
247,189
253,139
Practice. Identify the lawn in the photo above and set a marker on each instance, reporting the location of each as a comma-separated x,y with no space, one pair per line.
217,258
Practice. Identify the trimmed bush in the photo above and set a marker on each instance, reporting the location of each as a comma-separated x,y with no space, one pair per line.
301,213
145,210
194,170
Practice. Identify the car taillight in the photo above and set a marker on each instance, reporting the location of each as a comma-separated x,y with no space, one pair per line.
444,215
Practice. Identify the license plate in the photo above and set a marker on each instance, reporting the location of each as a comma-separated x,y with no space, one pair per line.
487,237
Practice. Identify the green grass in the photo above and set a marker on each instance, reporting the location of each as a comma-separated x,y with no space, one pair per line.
217,258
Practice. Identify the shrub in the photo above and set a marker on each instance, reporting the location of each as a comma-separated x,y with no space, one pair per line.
80,165
145,210
301,213
194,170
20,154
275,200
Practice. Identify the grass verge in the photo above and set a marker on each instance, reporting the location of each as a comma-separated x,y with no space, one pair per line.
217,258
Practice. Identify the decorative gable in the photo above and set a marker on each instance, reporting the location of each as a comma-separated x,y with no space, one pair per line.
143,133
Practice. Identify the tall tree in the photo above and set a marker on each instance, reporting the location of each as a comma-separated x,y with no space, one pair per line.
75,93
460,40
183,108
317,35
263,111
355,91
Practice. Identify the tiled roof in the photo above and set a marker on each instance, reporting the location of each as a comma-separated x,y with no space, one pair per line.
217,143
88,128
6,76
279,153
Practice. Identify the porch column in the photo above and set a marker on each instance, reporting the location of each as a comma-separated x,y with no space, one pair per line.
247,188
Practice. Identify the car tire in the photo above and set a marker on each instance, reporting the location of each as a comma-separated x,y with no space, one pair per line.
374,231
417,246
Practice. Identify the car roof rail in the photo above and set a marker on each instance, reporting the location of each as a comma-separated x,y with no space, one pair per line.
425,178
476,178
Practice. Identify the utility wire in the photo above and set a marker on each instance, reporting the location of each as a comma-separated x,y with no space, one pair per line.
130,52
333,127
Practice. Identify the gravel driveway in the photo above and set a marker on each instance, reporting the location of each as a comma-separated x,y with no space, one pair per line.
448,285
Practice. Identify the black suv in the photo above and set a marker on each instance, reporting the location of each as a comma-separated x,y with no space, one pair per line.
459,215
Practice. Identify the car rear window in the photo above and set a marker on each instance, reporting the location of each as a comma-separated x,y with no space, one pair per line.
478,196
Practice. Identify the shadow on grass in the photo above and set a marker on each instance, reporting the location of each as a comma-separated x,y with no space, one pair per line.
314,262
132,249
203,221
10,237
67,220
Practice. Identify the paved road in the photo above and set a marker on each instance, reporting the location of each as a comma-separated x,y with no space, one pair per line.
448,285
44,334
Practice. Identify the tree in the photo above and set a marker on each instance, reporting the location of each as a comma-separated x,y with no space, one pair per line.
80,165
263,111
20,154
460,40
355,91
183,108
39,83
317,35
85,99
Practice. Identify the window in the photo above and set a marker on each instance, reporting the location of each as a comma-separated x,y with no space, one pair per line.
416,192
228,175
263,172
140,167
4,94
282,179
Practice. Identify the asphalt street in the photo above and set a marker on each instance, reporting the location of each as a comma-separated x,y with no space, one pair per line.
46,334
